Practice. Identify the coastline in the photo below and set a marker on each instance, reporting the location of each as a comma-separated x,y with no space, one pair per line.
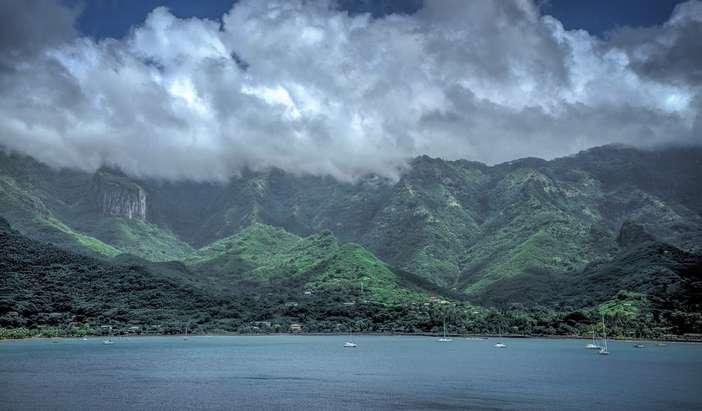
681,339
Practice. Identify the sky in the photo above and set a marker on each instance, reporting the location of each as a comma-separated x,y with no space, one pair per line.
202,90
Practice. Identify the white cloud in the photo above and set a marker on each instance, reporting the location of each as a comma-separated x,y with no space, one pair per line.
305,87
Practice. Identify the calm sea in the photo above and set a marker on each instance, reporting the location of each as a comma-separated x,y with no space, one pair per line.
316,372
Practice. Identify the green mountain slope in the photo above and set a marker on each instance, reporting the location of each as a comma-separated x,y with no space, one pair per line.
44,286
136,237
32,217
64,208
269,256
254,245
45,290
461,225
535,222
465,225
432,216
647,281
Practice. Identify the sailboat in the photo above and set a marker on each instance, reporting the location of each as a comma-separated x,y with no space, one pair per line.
604,350
593,345
349,343
109,341
500,344
185,337
445,338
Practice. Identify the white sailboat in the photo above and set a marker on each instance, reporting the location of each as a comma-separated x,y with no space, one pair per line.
349,343
593,345
604,350
445,338
500,344
109,341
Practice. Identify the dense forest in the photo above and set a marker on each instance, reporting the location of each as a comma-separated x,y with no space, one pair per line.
529,247
48,291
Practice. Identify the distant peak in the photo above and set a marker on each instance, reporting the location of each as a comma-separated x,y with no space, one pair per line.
614,146
608,148
425,159
524,162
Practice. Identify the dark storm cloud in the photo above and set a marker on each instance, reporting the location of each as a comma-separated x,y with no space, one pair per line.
670,52
310,88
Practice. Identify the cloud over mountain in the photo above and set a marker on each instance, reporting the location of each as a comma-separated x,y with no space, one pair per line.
310,88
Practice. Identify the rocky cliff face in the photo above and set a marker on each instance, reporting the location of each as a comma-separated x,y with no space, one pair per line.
116,195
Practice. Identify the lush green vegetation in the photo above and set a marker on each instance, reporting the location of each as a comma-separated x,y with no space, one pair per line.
648,288
264,255
36,210
31,216
528,246
257,242
136,237
43,286
47,291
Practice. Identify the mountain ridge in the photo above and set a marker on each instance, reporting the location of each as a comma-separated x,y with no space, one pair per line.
460,224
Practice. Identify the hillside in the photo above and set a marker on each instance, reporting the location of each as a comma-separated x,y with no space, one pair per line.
651,289
262,255
460,225
647,281
45,290
44,286
99,215
31,216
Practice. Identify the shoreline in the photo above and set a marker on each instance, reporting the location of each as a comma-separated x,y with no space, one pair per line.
379,334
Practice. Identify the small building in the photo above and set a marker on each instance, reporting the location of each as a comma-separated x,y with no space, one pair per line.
296,327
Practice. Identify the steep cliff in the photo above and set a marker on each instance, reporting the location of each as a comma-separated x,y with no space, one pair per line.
115,211
116,195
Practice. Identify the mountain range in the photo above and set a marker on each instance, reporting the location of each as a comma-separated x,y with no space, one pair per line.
612,228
